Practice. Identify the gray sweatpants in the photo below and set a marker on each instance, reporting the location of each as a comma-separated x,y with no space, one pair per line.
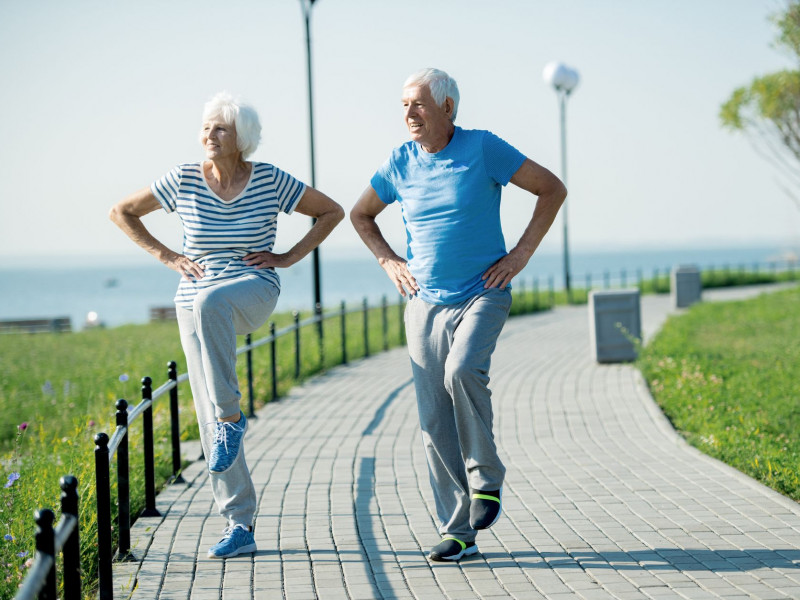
451,348
208,335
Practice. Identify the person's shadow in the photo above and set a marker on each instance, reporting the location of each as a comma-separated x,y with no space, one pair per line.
658,559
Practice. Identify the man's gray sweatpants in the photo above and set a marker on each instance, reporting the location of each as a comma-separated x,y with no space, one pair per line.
451,348
208,335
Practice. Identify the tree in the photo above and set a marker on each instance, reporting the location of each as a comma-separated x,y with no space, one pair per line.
768,110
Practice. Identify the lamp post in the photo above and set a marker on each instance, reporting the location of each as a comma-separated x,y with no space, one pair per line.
306,6
563,79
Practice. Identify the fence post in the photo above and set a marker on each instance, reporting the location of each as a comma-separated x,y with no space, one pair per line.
552,292
385,323
175,425
72,547
639,281
320,333
296,317
344,333
149,462
274,361
366,328
250,392
123,484
103,485
46,545
522,299
536,292
624,277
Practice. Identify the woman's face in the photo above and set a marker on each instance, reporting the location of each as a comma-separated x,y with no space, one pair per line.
218,139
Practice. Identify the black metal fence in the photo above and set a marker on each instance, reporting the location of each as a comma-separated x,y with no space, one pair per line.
41,579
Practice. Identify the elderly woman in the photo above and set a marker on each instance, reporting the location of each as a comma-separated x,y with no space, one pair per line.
229,209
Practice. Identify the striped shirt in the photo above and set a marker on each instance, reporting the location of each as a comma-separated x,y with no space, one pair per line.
218,233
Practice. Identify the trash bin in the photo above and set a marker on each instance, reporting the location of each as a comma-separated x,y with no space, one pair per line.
615,324
686,286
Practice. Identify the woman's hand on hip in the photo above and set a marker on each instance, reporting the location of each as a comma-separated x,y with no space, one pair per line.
189,269
265,260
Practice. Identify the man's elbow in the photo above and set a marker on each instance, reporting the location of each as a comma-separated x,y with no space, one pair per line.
357,216
115,214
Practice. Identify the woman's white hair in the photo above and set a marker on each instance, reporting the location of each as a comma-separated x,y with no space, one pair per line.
441,85
242,116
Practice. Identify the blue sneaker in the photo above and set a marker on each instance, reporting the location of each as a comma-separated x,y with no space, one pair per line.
226,445
235,540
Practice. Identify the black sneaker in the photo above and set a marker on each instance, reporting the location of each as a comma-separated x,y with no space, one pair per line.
452,549
485,508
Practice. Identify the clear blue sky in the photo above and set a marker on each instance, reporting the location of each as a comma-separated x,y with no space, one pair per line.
100,98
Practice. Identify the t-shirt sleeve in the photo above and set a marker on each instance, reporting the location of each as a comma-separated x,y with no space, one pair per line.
288,190
381,182
166,189
500,158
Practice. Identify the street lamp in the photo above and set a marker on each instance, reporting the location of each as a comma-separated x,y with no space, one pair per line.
563,79
306,6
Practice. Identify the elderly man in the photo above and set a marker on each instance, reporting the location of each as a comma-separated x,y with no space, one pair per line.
448,182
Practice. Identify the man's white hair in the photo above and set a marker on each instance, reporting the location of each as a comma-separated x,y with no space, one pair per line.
441,85
242,116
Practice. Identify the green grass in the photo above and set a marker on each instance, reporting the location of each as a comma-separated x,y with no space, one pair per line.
726,375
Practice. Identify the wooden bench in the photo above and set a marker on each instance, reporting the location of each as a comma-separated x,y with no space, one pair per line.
163,313
54,325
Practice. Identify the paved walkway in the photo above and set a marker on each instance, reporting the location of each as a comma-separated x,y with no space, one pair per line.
602,499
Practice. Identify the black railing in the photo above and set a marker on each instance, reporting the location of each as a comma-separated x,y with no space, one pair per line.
41,577
105,450
40,582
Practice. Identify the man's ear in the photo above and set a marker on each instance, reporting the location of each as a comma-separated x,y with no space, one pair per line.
448,106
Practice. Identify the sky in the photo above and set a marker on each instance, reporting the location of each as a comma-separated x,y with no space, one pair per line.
101,98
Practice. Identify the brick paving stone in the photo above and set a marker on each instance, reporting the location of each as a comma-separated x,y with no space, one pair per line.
602,498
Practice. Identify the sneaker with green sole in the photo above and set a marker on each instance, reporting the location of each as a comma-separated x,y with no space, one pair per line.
451,549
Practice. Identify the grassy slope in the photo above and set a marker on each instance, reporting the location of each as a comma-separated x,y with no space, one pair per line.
727,376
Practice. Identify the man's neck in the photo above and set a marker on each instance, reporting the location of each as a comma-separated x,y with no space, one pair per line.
441,144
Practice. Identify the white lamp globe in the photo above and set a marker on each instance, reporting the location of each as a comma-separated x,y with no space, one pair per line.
560,76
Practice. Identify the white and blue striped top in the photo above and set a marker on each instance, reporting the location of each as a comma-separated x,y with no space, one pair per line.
216,233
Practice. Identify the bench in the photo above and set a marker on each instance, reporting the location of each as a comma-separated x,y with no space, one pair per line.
54,325
163,313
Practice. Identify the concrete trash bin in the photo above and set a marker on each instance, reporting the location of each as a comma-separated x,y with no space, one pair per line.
614,319
686,286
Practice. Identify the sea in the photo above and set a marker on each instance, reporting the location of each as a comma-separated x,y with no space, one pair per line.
119,293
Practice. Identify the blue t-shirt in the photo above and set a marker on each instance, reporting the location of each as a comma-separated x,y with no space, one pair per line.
450,202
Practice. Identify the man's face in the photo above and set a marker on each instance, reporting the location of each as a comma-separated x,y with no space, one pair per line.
429,124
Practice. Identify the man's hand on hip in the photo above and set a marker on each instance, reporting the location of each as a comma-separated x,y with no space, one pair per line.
501,273
397,270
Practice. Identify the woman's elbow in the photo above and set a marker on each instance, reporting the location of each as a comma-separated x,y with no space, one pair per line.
561,191
335,214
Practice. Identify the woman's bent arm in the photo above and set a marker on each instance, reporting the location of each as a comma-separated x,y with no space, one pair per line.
127,215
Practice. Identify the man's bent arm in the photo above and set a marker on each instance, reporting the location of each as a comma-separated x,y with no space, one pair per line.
363,215
551,194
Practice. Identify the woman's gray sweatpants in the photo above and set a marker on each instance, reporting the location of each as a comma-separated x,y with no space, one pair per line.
208,335
451,348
